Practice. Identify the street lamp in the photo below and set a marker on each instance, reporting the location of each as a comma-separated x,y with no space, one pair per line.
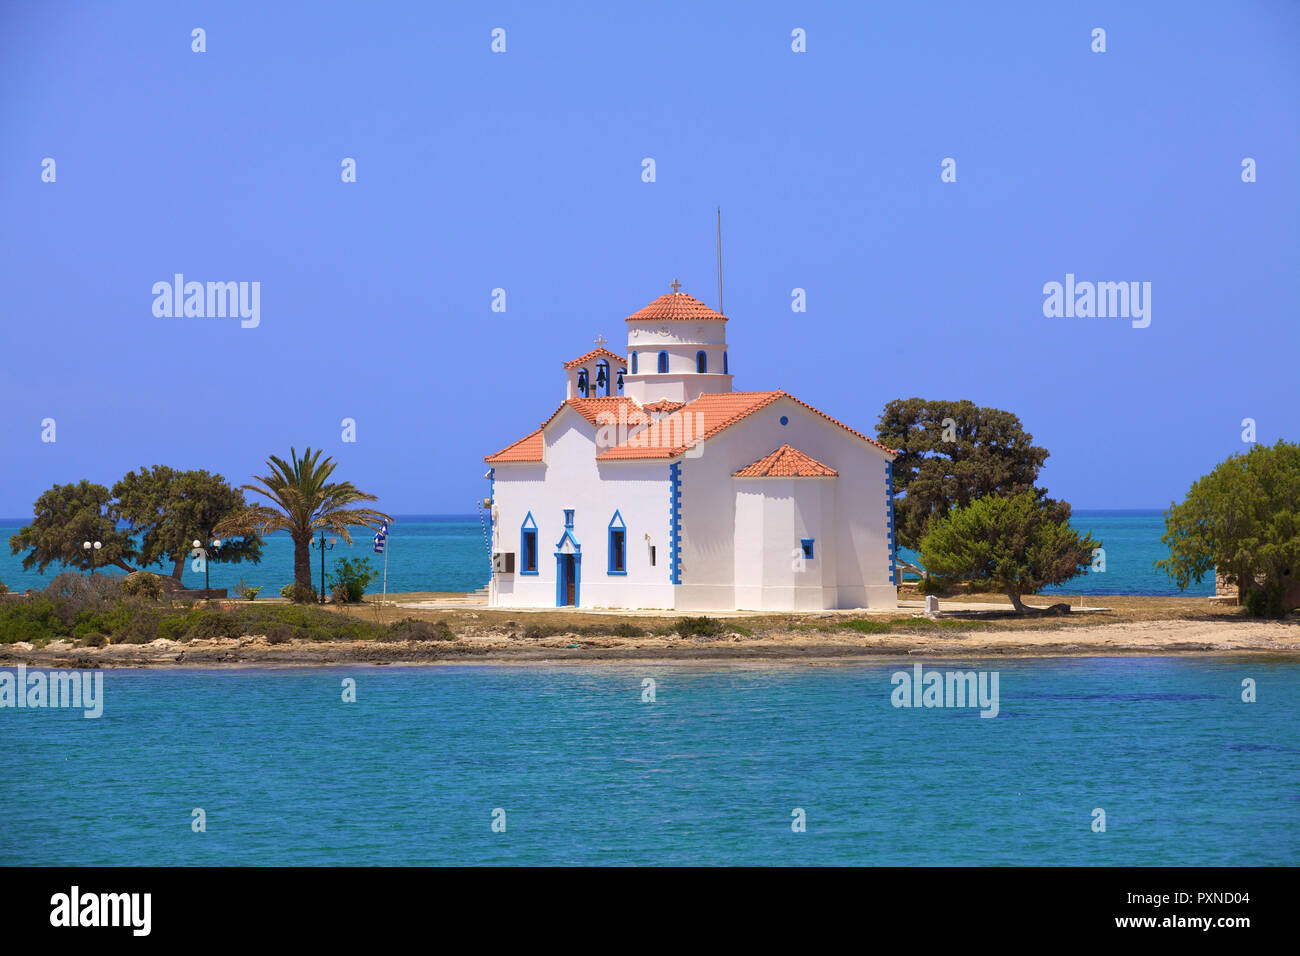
207,585
88,546
323,548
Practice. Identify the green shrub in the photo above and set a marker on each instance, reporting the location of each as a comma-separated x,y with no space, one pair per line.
200,622
1266,601
350,579
299,593
244,591
107,622
94,640
4,588
700,627
143,584
142,626
280,634
30,619
932,585
71,594
623,629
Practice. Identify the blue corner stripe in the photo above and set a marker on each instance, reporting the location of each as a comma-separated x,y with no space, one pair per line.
889,522
492,496
675,522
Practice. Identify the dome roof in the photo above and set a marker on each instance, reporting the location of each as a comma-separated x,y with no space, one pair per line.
676,307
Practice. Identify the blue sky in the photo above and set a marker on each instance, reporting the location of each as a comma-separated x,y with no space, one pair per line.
522,171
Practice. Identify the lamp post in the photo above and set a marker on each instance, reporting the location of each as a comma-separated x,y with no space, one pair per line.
207,585
323,548
93,548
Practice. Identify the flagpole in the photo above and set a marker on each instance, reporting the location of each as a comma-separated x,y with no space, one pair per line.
381,545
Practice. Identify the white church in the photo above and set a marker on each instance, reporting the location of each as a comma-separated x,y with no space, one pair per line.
654,485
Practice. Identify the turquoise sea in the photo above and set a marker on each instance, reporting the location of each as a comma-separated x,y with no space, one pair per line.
447,553
709,773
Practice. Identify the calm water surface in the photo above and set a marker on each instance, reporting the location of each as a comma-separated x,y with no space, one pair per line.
710,773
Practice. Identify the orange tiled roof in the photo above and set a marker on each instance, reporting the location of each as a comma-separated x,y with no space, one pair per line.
787,462
705,417
664,405
589,408
528,448
675,307
597,353
673,433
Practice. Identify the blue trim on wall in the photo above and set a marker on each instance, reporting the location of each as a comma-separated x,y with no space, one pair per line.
724,363
634,354
568,520
701,362
663,362
807,545
525,529
492,496
889,521
616,523
675,522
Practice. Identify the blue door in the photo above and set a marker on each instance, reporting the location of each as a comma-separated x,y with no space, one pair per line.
567,573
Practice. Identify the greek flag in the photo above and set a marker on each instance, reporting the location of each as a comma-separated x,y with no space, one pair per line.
381,538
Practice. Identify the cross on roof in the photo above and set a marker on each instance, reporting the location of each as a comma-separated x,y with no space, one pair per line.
600,341
674,285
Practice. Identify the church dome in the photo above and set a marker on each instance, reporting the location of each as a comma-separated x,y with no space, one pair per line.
676,307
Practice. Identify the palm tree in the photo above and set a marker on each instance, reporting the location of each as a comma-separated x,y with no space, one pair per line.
303,501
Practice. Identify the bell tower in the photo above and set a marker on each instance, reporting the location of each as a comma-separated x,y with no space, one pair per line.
676,350
595,375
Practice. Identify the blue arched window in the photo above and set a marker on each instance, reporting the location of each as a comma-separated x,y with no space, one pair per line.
528,546
663,362
602,377
633,363
701,362
724,363
617,545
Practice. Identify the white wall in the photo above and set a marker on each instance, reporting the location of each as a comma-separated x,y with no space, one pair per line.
852,540
572,478
681,340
